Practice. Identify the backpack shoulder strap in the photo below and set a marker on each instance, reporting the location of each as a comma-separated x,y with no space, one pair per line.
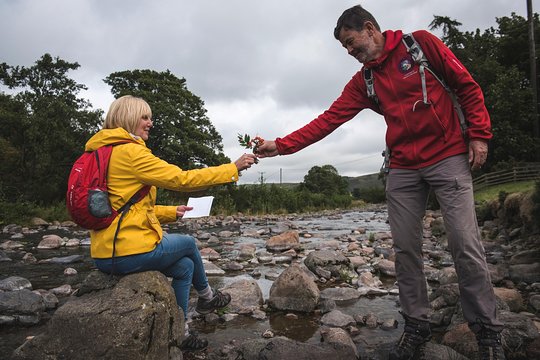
414,49
102,156
106,151
368,79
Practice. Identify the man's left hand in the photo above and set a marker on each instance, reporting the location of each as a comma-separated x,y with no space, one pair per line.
478,151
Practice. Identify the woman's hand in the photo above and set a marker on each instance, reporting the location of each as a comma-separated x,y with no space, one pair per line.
181,210
245,161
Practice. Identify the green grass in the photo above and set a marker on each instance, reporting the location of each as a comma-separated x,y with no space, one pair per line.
492,192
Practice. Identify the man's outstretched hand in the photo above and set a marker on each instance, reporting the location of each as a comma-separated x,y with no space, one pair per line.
267,149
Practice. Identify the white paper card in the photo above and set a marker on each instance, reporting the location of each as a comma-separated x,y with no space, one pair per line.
201,207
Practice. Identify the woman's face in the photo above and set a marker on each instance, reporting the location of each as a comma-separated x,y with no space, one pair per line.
143,128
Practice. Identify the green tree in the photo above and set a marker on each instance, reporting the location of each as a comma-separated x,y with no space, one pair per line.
325,180
182,132
45,126
498,60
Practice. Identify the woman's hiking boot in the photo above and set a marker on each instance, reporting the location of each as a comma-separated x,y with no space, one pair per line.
218,301
193,343
415,334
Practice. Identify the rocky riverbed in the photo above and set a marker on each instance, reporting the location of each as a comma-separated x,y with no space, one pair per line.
348,291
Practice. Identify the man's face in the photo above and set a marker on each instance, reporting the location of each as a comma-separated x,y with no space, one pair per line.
359,44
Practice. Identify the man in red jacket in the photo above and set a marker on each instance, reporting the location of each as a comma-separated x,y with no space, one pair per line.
428,151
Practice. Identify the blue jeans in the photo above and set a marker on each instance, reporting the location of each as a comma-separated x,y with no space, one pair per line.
175,256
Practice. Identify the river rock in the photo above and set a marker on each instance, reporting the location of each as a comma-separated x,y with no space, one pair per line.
519,330
252,233
340,294
357,261
64,260
336,318
11,245
74,242
233,266
285,241
294,290
329,260
50,242
12,229
340,338
212,269
22,307
68,223
529,256
246,296
366,278
534,302
137,319
13,283
225,234
36,221
529,273
511,297
280,348
434,351
386,267
49,299
447,275
4,257
210,254
448,294
247,251
62,290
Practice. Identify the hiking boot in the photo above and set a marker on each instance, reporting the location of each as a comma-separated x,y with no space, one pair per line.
489,345
193,343
415,334
218,301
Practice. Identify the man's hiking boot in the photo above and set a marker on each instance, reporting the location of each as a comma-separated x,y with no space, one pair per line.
218,301
415,334
489,345
193,343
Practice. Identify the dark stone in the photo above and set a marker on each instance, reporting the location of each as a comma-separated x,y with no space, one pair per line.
136,319
280,348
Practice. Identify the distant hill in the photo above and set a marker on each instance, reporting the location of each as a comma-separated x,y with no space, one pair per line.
361,182
364,182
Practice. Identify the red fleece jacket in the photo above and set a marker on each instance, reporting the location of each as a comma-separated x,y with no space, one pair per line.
418,135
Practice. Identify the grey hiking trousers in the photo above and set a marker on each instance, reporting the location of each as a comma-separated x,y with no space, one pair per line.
407,194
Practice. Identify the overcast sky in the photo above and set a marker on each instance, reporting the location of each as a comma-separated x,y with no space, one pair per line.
262,68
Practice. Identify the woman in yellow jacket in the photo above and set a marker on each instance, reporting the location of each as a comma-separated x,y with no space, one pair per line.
140,244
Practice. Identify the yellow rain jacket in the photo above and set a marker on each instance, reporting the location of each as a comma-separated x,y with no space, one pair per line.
131,166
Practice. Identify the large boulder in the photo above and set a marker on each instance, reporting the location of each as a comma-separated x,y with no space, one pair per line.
294,290
137,318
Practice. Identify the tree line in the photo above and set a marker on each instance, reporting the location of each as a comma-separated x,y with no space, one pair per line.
45,122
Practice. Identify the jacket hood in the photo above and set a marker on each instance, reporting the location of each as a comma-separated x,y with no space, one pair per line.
111,136
392,40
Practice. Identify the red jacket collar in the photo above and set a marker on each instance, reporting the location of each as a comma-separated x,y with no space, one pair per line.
392,40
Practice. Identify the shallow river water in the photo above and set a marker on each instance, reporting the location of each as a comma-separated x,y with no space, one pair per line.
322,227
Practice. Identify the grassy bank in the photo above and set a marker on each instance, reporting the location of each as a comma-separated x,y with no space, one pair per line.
493,192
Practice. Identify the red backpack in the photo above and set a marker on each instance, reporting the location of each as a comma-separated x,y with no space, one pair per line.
87,198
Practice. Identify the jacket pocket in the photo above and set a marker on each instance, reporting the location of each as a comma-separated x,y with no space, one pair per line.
441,123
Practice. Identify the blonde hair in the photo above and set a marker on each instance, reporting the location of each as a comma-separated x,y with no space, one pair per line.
126,112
